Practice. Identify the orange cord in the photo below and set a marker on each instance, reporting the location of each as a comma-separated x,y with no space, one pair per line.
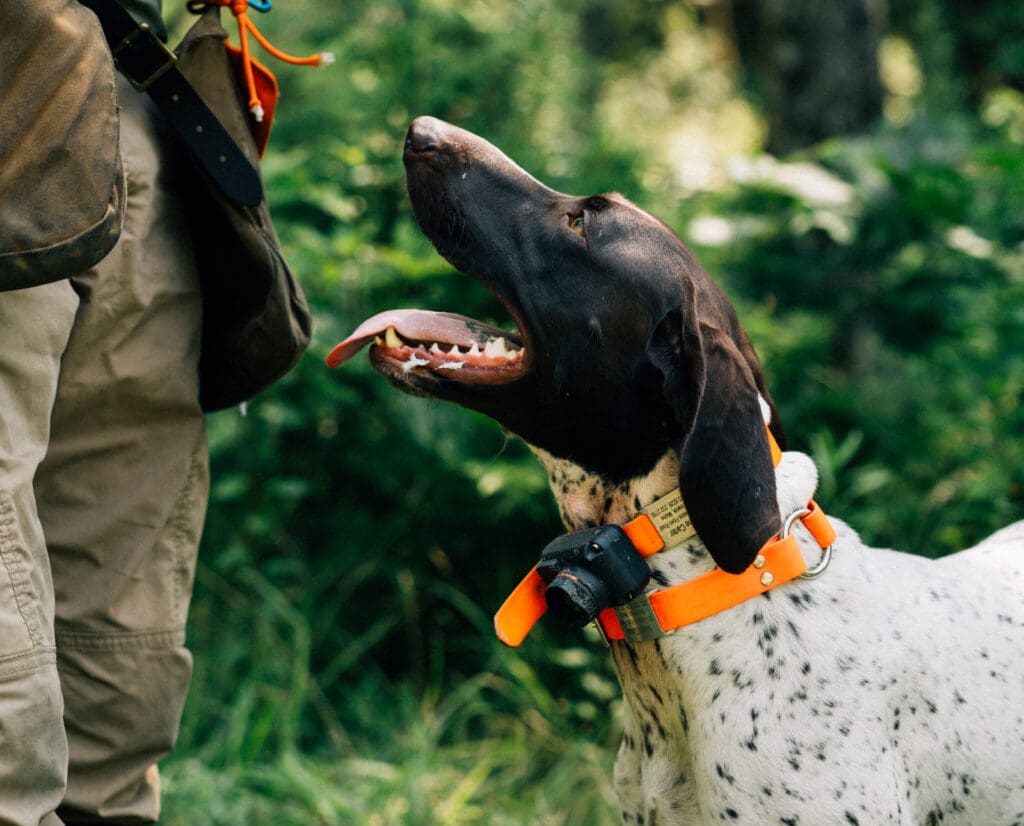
240,9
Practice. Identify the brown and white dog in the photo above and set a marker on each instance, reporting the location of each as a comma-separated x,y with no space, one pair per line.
888,690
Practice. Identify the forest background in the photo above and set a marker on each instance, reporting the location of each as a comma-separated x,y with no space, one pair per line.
850,171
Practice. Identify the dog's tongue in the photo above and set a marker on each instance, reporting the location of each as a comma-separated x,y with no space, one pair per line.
412,325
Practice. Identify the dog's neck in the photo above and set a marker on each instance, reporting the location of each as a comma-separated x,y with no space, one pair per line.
586,499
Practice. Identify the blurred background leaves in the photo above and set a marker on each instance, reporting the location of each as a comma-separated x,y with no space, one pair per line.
869,225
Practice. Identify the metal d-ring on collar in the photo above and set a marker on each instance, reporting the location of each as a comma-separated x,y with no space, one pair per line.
826,554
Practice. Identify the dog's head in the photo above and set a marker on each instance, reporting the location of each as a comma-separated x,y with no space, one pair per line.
624,348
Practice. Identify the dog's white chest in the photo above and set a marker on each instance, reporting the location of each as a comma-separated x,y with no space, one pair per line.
888,692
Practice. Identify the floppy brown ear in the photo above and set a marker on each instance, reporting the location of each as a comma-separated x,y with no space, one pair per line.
725,465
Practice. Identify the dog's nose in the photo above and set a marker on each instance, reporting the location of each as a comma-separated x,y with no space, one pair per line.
424,135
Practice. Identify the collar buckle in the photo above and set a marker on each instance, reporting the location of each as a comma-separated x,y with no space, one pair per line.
143,57
638,620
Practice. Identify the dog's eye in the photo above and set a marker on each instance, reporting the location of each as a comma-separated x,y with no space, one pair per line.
576,224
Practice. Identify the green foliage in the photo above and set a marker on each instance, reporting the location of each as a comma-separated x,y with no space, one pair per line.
358,540
971,47
891,267
384,751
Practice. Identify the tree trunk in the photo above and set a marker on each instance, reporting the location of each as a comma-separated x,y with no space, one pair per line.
815,65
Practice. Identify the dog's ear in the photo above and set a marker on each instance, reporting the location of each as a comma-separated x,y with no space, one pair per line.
725,466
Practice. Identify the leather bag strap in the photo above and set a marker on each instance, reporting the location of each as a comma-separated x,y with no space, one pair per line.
150,66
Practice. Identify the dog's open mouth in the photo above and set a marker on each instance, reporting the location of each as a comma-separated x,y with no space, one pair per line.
439,345
427,352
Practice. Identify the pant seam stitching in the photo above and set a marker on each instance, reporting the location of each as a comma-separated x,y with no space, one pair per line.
115,640
20,587
27,661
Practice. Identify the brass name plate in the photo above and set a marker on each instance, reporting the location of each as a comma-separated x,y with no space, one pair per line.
671,519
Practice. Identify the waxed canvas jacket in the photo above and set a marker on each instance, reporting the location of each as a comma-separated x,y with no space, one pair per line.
61,182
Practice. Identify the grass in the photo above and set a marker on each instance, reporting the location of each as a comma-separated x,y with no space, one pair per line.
529,739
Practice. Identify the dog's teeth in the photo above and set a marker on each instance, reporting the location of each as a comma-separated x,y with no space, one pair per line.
455,351
495,348
474,350
451,365
413,362
391,338
434,348
378,340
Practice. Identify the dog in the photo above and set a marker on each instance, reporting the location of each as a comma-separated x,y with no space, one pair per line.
889,689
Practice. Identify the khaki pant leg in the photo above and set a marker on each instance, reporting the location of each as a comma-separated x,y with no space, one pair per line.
122,493
34,327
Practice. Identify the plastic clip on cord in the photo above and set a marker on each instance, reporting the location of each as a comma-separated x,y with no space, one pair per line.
261,85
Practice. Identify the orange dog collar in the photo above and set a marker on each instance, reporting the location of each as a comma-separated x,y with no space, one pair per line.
661,611
665,523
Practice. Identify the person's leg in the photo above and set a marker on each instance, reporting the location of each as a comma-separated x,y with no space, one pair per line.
34,328
122,493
